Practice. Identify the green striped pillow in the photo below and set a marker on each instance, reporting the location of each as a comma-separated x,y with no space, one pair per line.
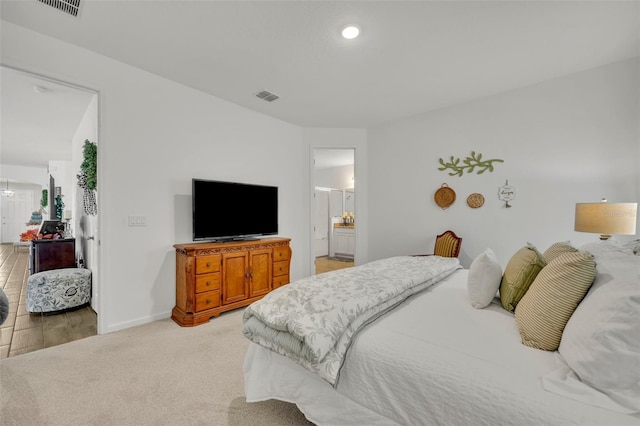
521,270
552,298
557,249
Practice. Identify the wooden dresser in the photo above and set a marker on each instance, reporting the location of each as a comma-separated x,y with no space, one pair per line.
212,278
52,254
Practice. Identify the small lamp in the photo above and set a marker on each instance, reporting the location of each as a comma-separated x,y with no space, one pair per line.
67,225
606,218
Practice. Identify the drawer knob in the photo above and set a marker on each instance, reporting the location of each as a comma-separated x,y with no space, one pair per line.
208,301
208,264
208,283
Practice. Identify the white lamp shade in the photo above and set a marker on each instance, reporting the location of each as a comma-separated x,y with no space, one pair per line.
606,218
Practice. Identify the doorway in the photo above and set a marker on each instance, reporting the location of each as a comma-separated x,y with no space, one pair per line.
44,127
334,200
16,206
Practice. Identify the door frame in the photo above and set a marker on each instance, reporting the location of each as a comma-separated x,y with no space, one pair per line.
98,291
358,177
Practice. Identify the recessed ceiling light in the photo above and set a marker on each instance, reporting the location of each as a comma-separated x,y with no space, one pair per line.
350,32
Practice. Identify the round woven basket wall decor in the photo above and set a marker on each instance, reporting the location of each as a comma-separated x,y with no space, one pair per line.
475,200
444,196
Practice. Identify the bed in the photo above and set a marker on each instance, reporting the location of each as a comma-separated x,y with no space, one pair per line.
434,358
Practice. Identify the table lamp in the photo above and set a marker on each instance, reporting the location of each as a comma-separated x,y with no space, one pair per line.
67,225
606,218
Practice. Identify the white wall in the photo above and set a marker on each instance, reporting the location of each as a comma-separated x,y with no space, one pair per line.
62,173
568,140
336,177
87,130
155,135
36,175
85,226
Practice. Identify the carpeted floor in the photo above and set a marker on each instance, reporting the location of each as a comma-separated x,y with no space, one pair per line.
154,374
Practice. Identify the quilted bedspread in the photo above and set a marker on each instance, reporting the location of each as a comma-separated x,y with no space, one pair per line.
312,321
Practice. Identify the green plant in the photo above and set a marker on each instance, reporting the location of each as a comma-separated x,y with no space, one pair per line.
89,164
59,207
44,202
469,164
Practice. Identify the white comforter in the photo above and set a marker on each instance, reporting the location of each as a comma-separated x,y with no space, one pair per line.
433,361
312,321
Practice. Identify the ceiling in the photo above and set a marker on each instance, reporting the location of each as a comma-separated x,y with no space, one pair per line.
39,118
411,57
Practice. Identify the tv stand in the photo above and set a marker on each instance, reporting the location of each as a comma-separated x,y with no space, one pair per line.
216,277
232,239
245,239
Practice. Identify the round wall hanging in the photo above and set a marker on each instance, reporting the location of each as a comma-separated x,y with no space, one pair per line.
475,200
444,196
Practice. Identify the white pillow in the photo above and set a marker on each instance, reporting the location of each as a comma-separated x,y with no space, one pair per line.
484,279
601,340
634,246
609,248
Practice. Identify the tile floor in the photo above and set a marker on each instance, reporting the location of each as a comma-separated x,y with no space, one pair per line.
24,332
326,264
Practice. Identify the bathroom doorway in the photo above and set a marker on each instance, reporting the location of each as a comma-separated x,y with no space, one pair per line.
334,227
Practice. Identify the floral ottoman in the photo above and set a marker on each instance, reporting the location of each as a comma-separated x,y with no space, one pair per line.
58,289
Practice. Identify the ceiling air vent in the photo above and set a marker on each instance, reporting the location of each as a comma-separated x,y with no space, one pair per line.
267,96
70,7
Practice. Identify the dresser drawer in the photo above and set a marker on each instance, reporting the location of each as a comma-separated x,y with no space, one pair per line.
207,300
207,264
280,281
281,253
280,268
207,282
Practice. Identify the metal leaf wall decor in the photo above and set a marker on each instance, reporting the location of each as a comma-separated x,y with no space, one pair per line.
469,164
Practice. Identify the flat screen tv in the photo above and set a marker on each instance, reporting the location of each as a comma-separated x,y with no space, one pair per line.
233,211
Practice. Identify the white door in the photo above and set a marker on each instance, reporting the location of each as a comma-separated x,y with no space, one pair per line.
336,203
16,211
322,223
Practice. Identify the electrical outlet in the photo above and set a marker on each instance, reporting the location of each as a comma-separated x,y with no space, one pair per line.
137,221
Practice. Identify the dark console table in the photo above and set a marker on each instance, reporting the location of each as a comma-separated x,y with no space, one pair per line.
52,254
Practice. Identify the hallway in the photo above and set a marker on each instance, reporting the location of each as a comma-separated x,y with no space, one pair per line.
24,332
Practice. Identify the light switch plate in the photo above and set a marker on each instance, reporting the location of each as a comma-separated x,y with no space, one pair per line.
137,221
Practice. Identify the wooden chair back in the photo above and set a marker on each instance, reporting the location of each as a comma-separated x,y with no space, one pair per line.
447,244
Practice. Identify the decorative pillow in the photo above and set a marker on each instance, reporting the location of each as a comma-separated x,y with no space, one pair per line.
522,269
545,309
557,249
600,342
608,248
484,279
634,246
